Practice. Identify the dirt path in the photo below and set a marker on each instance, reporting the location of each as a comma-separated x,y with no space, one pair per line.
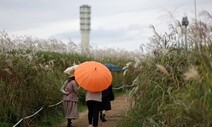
119,108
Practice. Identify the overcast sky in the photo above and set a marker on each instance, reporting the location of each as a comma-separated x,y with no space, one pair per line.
122,24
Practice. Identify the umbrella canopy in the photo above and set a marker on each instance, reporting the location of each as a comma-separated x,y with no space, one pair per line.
113,68
93,76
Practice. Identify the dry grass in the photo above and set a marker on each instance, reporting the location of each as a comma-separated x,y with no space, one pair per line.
177,91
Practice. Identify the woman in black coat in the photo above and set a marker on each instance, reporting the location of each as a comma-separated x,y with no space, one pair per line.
107,96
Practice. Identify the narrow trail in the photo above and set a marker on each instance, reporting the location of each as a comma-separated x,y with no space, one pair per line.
120,106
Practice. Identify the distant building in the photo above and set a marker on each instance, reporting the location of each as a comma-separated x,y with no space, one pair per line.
85,12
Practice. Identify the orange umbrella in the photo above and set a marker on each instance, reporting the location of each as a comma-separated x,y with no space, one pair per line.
93,76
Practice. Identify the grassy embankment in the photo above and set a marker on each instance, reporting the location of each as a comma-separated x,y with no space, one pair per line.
174,86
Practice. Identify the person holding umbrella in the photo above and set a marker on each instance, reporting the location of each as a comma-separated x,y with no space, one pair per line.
93,77
70,98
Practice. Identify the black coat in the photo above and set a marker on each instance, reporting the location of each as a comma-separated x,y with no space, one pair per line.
107,96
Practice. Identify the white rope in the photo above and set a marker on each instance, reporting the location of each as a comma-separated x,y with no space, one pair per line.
124,86
17,122
27,117
119,87
55,104
135,82
33,114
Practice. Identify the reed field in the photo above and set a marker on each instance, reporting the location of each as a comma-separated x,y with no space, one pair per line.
170,86
31,74
174,84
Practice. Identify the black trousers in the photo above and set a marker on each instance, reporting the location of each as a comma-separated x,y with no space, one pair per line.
93,112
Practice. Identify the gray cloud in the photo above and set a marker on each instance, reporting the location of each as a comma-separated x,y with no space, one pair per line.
27,14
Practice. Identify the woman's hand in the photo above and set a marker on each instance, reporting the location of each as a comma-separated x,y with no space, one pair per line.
64,92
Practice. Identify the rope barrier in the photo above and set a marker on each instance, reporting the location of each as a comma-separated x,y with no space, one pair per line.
55,104
17,122
123,86
33,114
134,83
27,117
118,88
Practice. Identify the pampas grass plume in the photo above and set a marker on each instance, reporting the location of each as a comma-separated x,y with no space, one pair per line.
162,69
191,74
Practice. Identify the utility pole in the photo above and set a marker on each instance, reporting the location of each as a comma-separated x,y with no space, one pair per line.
185,23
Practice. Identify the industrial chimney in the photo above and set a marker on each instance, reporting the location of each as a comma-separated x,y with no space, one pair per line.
85,12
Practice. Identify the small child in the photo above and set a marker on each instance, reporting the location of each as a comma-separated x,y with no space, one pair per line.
70,98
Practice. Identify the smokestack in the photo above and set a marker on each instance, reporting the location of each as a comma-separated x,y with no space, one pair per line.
85,12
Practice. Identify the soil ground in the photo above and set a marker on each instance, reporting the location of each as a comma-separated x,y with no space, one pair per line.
120,106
